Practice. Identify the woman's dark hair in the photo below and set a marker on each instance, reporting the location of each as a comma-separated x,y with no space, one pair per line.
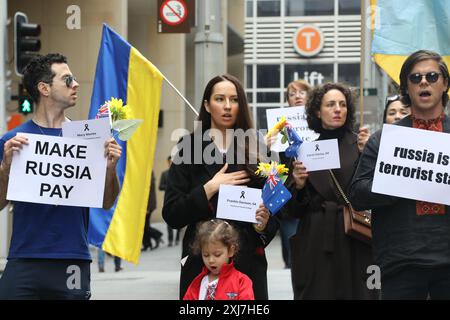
315,101
243,119
215,230
39,69
414,59
391,99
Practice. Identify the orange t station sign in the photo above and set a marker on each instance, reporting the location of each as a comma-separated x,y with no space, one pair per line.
308,40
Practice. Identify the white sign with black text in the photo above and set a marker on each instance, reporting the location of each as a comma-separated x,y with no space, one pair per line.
59,171
238,203
88,129
320,155
296,117
413,164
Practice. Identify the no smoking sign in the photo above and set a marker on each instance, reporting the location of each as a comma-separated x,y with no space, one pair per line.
175,16
173,12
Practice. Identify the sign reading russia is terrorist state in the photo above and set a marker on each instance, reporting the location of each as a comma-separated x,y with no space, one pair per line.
413,164
60,171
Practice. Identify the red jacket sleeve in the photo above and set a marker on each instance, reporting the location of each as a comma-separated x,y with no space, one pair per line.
246,288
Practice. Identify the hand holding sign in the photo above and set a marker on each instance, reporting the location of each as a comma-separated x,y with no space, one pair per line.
13,145
262,216
300,175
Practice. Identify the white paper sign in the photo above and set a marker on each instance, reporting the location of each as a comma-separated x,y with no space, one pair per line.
320,155
413,164
238,203
61,171
297,118
87,129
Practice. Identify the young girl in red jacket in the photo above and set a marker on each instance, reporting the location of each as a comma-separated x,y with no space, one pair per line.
217,242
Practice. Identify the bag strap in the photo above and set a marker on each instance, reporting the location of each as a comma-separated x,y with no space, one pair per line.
339,188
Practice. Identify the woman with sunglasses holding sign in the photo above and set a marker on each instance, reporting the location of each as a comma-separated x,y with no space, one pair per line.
410,238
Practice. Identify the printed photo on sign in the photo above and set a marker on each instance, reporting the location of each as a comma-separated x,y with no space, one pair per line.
60,171
87,129
296,117
320,155
238,203
413,164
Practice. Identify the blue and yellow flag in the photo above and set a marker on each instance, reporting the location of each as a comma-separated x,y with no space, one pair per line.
123,73
403,27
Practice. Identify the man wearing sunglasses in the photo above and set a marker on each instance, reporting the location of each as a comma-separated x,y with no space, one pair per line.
49,242
411,239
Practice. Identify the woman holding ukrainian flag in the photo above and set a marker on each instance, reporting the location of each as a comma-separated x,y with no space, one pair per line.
192,192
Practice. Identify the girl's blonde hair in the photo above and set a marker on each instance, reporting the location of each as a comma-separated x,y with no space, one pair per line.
215,230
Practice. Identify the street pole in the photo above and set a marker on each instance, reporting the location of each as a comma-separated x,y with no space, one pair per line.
4,218
209,45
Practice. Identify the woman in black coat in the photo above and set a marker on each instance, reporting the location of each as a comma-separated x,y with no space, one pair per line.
207,158
326,263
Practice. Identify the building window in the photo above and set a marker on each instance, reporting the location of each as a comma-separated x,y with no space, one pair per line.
249,96
249,76
309,8
268,76
269,8
249,8
350,7
263,97
261,117
314,74
349,74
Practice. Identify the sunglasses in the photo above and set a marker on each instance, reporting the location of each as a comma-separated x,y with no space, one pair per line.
431,77
69,79
393,98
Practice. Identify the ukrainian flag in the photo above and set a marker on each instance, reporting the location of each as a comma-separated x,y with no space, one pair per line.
403,27
123,73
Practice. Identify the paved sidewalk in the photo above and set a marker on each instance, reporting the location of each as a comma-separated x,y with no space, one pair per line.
156,276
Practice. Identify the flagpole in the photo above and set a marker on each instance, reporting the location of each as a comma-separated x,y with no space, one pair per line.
179,93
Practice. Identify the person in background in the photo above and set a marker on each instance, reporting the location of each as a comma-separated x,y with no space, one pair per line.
296,96
162,187
101,261
150,232
395,109
217,242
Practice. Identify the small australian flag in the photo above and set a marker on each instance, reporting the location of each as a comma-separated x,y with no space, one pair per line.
294,143
274,193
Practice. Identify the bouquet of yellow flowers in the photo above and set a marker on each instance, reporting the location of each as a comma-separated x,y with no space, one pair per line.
118,115
280,127
267,169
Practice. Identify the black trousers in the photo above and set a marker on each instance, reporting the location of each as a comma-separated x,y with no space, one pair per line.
415,283
46,279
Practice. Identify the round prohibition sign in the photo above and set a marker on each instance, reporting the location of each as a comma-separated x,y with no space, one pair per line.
173,12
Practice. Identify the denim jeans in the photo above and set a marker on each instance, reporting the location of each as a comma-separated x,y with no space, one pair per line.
101,259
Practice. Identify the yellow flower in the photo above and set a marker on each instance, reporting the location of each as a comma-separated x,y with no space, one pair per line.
281,169
117,109
277,128
264,169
